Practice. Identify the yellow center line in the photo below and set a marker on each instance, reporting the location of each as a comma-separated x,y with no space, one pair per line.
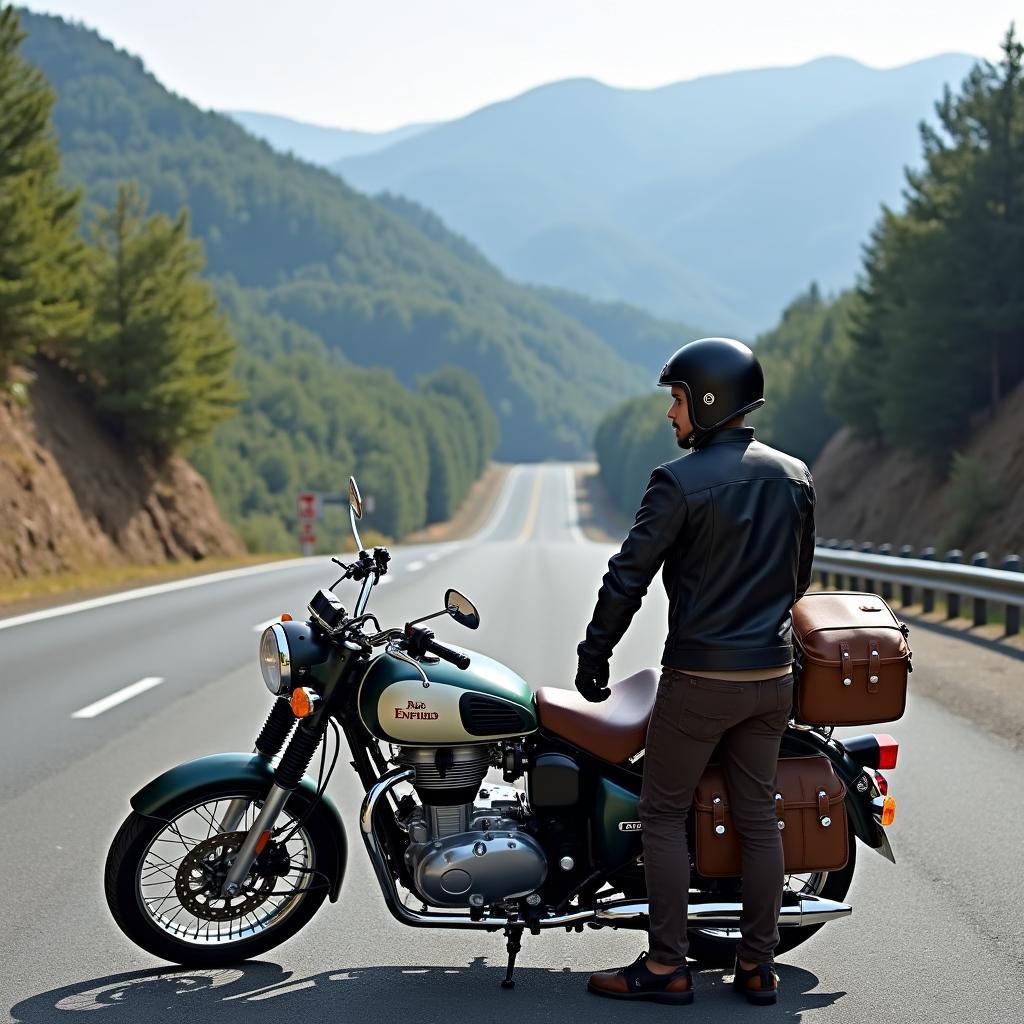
531,514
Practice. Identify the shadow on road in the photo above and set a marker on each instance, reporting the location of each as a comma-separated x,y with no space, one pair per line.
263,993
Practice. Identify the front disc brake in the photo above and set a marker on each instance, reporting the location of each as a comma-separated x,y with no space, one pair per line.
201,876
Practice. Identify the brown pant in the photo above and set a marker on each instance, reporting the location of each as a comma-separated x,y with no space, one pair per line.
746,721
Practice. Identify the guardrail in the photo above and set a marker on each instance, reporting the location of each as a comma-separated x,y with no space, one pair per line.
847,569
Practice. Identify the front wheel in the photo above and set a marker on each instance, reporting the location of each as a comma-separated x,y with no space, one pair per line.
164,873
716,947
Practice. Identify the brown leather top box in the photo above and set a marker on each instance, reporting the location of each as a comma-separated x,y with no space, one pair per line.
852,659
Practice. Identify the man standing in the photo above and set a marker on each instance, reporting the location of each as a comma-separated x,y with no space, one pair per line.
731,526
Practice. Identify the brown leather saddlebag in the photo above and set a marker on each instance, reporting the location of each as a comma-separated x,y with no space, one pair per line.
852,660
809,806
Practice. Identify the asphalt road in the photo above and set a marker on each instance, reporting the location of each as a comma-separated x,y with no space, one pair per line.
937,937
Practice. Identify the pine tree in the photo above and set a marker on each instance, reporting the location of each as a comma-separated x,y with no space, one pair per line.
940,333
159,351
40,249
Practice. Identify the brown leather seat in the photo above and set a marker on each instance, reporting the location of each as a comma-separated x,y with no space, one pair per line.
613,730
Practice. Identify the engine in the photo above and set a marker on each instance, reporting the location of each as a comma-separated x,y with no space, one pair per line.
467,846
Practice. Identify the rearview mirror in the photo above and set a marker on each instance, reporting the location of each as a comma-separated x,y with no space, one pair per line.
461,609
354,499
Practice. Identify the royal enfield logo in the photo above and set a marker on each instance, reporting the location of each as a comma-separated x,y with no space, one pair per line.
416,710
630,826
709,399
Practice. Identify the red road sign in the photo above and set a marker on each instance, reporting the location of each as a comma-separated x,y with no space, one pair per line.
309,506
307,534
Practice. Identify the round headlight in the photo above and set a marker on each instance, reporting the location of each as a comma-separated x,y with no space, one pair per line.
275,660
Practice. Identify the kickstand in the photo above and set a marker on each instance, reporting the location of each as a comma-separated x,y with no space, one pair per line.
513,933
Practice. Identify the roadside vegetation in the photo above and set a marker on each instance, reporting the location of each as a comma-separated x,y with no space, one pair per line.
930,341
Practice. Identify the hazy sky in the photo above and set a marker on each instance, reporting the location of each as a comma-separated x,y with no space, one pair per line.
377,64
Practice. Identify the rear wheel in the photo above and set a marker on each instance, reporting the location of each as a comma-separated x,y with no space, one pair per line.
716,947
164,874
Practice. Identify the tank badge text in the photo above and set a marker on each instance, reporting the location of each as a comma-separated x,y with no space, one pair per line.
630,826
416,710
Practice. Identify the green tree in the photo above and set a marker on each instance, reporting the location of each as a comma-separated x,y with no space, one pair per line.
159,352
797,358
40,249
631,441
940,334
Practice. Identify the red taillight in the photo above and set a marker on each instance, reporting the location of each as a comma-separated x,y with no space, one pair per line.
888,751
880,782
872,750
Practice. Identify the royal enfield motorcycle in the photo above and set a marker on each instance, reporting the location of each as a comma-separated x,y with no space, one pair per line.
224,857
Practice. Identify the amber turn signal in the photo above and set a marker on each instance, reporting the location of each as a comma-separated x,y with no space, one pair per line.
888,811
304,701
285,617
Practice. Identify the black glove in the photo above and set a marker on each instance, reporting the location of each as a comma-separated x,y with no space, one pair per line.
592,679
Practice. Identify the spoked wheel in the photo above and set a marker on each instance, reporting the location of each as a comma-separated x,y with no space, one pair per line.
716,947
164,876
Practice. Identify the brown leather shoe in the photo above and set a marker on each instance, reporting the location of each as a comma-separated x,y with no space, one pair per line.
637,982
760,985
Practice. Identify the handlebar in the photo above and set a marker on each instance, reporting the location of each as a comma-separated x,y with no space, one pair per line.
447,654
420,641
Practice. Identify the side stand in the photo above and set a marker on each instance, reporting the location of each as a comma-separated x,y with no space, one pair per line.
513,933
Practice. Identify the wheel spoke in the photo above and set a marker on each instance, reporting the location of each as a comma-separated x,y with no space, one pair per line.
187,862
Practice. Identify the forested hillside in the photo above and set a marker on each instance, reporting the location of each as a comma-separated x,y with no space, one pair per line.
312,251
924,360
121,302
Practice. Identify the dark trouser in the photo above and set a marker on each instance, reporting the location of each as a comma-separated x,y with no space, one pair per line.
746,720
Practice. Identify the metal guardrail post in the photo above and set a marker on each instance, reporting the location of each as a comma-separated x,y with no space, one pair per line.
927,594
953,600
885,549
906,591
823,573
848,582
869,584
1012,564
980,604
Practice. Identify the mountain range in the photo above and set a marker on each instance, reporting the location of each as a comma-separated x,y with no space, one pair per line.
378,282
711,201
316,143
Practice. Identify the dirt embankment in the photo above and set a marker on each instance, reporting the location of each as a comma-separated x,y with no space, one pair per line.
72,499
870,493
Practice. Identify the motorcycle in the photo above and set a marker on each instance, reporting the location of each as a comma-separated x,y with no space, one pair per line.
224,857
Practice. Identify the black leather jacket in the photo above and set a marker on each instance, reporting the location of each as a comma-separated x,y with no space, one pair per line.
732,527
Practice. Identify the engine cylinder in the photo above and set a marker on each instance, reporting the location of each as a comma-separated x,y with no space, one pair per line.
446,775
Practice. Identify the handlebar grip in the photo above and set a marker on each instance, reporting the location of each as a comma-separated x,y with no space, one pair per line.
457,659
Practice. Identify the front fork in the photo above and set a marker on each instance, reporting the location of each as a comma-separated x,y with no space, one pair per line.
287,777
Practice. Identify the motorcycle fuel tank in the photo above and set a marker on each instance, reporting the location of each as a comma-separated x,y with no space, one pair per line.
486,701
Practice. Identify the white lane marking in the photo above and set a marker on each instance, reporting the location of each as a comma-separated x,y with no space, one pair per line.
158,588
574,513
501,507
260,626
415,566
98,707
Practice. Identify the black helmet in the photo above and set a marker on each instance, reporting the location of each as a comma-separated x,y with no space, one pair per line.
722,379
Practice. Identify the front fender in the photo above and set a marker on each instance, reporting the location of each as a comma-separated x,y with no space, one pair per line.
858,806
206,773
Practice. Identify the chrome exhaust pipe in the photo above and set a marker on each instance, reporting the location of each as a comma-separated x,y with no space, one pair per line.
803,911
620,913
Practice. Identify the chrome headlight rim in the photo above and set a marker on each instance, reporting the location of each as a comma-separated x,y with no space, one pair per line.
283,666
